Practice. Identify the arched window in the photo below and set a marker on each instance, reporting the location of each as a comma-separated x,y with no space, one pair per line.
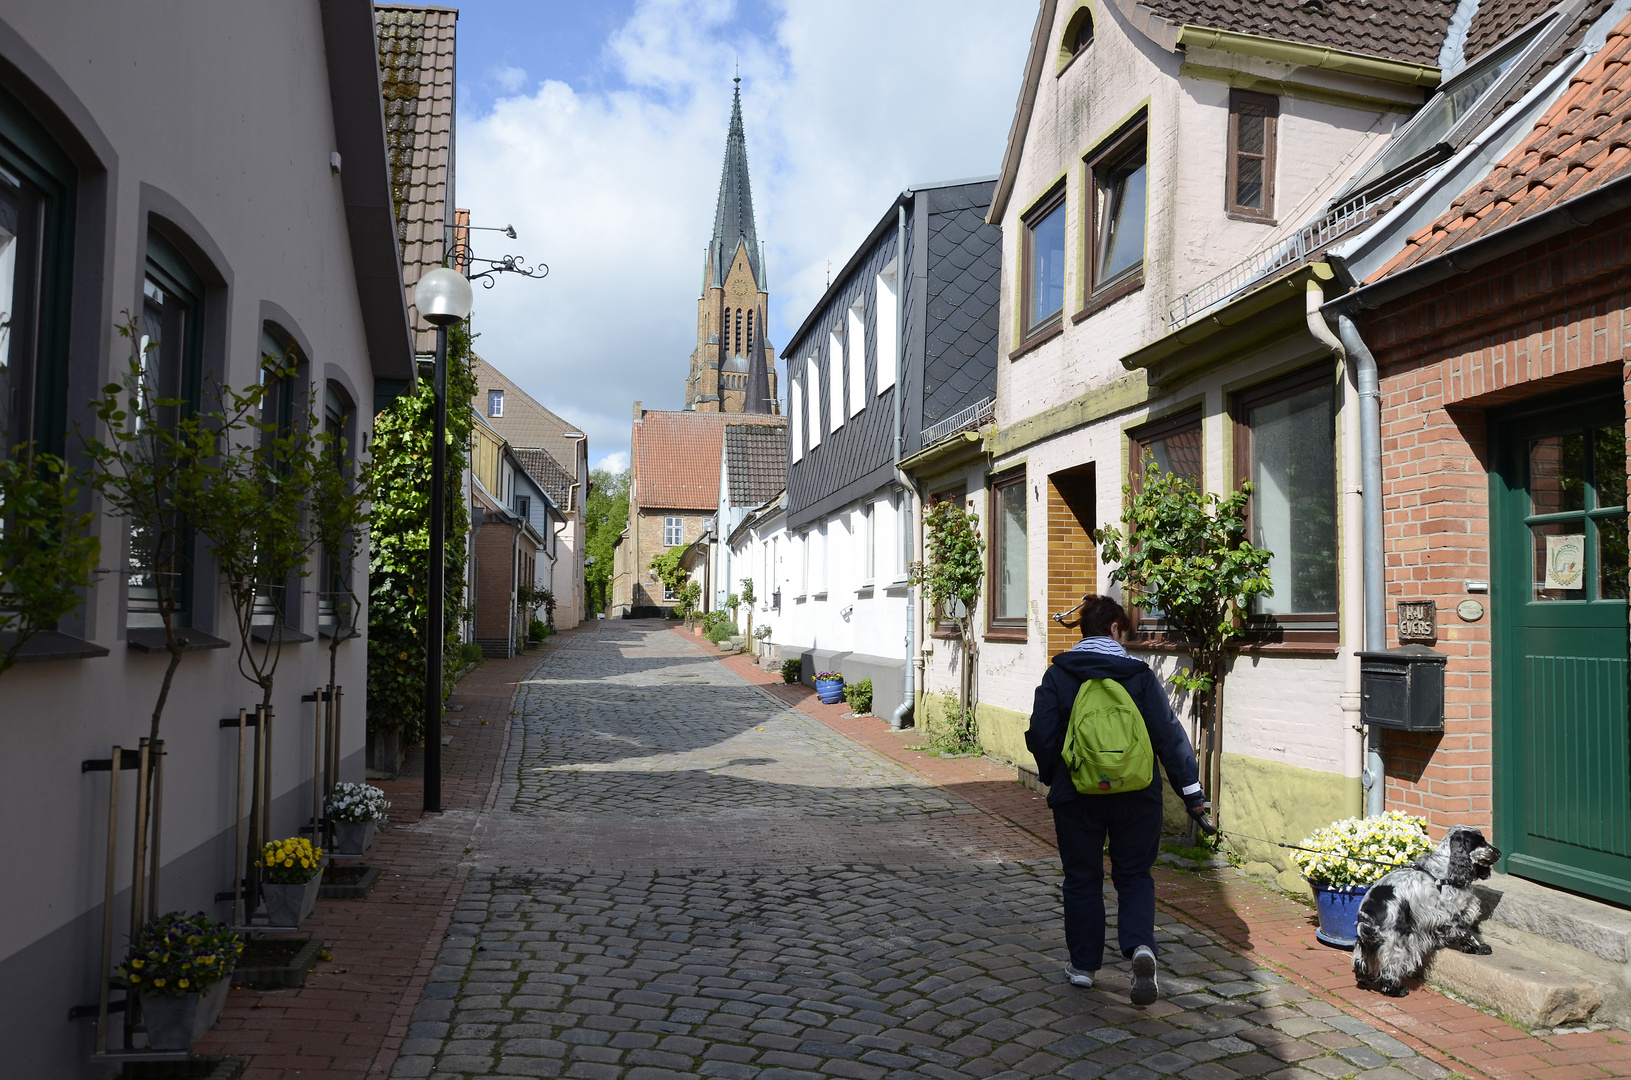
738,349
750,332
1077,37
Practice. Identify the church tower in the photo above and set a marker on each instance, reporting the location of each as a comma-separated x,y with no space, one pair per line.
733,367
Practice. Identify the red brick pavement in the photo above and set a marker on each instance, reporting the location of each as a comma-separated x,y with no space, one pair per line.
1270,927
350,1018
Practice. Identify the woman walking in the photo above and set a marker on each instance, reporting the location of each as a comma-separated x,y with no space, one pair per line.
1124,810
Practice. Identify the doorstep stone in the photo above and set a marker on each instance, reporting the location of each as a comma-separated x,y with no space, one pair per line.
1597,928
1516,985
1028,778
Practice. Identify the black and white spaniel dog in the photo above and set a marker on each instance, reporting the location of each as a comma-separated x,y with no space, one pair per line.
1413,912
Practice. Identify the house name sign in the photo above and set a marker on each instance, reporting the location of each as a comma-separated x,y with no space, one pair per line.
1418,622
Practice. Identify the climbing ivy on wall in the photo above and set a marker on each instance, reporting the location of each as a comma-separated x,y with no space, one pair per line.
399,555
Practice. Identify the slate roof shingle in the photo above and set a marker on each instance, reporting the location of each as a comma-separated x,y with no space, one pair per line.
1411,30
416,57
677,457
755,461
1582,143
549,474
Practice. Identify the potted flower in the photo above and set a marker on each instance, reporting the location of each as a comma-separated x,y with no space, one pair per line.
177,967
1342,860
357,811
830,687
292,873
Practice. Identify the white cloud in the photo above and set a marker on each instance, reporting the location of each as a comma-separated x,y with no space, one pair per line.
614,463
615,189
508,77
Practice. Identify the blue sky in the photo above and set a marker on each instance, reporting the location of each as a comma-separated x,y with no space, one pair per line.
598,131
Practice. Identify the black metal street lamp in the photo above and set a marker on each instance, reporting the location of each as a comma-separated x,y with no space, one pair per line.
443,298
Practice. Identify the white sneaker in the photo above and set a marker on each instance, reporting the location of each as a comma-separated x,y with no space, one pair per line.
1144,988
1078,977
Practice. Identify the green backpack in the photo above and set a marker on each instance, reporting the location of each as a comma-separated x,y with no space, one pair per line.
1107,746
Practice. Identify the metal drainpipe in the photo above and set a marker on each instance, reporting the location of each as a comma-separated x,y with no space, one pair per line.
908,701
1353,742
1370,449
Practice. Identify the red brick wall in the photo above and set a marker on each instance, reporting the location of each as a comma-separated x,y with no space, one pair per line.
1536,322
494,546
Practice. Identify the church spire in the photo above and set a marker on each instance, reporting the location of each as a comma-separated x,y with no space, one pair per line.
733,220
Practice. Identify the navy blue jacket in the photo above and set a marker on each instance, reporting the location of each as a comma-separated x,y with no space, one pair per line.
1050,715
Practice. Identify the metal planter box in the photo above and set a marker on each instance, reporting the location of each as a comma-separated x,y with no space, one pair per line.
1403,688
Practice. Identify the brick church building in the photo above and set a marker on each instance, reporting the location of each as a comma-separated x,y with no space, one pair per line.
675,455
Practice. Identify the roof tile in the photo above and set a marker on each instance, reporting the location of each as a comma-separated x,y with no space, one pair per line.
677,457
1582,143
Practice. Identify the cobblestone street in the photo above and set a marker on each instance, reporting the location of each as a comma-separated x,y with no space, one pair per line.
684,877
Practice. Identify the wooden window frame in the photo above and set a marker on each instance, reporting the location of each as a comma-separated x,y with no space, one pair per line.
1110,153
1031,333
999,628
945,629
1271,131
1300,628
1154,431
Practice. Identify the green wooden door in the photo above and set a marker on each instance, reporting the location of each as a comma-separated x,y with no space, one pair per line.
1562,745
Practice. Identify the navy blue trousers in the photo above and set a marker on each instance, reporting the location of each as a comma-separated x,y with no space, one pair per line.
1132,823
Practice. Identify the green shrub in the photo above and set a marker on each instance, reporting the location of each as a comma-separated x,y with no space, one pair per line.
722,631
538,631
469,653
859,696
792,670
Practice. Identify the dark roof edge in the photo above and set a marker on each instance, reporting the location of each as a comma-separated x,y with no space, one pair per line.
351,50
1575,213
885,223
1022,111
964,182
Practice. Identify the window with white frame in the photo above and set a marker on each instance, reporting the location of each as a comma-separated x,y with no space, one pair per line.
795,419
835,375
495,403
813,412
855,350
818,560
804,564
884,329
868,539
673,531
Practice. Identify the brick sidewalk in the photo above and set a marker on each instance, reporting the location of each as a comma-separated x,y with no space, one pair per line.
350,1018
1262,923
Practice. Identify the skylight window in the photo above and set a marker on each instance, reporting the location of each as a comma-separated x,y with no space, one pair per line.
1437,124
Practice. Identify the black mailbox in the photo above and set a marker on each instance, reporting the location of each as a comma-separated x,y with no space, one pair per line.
1403,688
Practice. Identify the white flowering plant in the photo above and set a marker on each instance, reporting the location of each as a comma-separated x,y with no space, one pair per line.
1383,842
357,803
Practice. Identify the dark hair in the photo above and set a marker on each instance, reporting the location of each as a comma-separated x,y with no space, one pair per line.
1098,612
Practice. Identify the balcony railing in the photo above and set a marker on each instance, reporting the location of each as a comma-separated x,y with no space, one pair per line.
961,420
1293,251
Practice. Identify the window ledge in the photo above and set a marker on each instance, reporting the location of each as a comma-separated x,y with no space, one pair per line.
1015,634
822,595
150,639
279,633
800,598
1109,295
865,590
52,645
1039,338
1255,219
945,635
328,632
1309,649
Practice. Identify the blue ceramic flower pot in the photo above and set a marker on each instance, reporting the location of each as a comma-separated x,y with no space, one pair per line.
831,691
1339,913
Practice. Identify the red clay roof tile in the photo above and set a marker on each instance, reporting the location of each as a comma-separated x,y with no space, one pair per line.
1582,143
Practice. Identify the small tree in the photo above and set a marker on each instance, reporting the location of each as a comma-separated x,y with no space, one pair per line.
339,523
1186,556
47,554
158,459
951,578
255,518
688,596
747,601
